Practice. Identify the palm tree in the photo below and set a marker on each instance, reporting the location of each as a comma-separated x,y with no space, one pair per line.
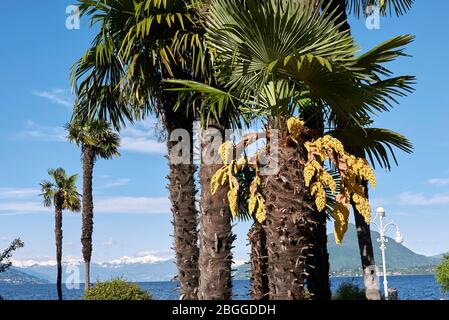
97,141
340,9
278,59
120,79
61,193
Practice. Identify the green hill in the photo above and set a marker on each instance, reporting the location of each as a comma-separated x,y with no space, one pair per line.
346,255
345,258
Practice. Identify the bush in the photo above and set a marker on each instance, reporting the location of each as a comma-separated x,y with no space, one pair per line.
442,274
349,291
116,289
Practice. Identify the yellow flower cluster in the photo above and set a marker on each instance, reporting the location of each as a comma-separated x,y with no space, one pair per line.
256,202
363,206
341,217
225,151
317,190
361,169
352,171
311,168
294,126
233,201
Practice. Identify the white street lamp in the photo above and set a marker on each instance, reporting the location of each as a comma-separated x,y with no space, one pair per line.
381,228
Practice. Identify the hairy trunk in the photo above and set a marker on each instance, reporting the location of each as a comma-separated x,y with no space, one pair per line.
185,220
182,189
288,212
363,230
317,264
259,262
88,211
372,289
58,240
216,236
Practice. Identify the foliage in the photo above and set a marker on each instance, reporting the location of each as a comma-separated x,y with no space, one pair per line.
349,291
98,135
398,7
139,43
116,289
62,192
232,172
442,274
353,171
5,264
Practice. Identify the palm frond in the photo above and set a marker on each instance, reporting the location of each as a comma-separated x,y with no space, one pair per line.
376,144
387,7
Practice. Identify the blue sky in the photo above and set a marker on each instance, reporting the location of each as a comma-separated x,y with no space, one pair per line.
132,210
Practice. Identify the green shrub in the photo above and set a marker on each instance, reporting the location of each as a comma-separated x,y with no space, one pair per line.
349,291
442,274
116,289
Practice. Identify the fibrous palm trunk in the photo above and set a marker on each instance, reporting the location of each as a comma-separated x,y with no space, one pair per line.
185,221
182,191
58,240
317,264
372,290
288,214
216,236
259,262
88,207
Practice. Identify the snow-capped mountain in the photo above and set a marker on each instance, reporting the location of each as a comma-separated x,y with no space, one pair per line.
136,269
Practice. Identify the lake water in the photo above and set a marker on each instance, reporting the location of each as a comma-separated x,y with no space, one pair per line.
420,287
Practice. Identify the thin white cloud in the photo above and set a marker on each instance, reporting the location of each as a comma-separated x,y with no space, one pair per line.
141,138
114,184
110,205
20,207
419,199
133,205
17,193
109,243
439,181
58,96
43,133
142,145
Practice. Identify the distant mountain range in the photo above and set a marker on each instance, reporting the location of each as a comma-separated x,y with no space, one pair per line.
135,272
344,260
398,257
16,276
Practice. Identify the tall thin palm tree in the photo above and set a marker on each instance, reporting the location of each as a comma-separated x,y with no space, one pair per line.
62,194
340,9
97,141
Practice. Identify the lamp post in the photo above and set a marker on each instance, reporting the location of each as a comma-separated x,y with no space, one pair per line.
382,229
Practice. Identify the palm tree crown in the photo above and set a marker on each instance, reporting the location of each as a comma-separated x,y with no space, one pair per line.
62,192
98,135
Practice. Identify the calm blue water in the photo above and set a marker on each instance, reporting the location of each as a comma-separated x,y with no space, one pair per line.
421,287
